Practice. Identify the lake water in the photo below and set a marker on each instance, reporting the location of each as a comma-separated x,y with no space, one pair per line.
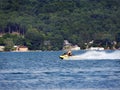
89,70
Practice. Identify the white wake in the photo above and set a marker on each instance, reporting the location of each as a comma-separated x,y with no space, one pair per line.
97,55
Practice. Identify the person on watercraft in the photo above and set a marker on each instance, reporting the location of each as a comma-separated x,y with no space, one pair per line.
69,53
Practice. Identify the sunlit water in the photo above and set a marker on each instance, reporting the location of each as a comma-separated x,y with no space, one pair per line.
88,70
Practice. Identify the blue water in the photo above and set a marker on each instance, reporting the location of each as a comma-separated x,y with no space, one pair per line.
45,71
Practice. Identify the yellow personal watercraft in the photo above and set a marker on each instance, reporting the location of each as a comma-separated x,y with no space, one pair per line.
64,56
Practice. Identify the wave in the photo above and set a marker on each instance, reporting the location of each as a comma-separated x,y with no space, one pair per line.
97,55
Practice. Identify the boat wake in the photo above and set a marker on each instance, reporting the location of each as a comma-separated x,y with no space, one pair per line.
97,55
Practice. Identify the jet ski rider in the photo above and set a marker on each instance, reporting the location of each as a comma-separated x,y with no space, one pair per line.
69,53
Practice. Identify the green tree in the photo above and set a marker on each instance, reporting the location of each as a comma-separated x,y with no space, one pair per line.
78,21
8,44
1,41
35,38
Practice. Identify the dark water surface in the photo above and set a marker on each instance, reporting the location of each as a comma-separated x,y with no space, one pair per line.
45,71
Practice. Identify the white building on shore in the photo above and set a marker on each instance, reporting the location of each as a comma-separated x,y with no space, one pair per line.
69,46
95,48
2,48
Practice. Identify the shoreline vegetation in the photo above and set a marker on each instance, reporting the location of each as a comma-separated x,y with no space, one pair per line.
58,50
45,24
86,49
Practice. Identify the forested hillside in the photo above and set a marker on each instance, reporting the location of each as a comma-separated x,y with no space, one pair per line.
45,24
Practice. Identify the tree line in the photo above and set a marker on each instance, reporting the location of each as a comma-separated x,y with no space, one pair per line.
45,24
